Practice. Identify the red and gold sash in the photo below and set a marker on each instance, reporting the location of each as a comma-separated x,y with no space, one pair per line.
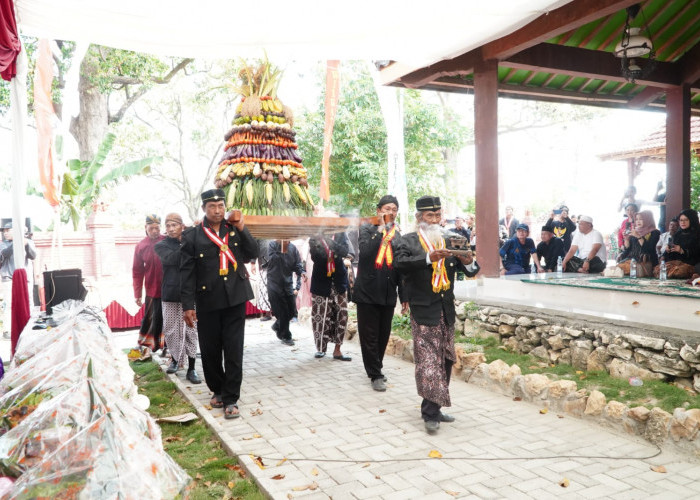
385,253
439,279
225,254
330,259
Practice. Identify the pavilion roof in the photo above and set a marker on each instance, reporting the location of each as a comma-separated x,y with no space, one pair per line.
567,56
653,147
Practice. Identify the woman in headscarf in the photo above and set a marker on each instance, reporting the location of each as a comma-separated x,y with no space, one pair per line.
640,243
684,251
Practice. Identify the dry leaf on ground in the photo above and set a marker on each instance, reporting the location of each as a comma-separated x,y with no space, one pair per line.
452,493
312,486
314,472
236,468
277,477
231,485
365,465
435,454
382,411
564,483
517,398
256,412
189,441
544,410
280,462
258,461
658,468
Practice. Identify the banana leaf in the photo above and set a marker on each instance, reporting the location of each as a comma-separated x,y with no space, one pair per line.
126,171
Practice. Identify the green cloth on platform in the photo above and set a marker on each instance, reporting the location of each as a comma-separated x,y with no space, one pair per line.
676,288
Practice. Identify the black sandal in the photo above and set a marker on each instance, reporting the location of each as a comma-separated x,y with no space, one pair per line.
231,411
216,401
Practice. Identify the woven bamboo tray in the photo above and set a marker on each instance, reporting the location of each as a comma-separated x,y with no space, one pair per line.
291,228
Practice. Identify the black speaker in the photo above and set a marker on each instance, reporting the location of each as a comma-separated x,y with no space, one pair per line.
62,284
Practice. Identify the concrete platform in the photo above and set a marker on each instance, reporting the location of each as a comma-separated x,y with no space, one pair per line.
625,307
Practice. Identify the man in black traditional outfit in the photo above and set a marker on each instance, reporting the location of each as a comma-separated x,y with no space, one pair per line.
213,276
376,288
428,267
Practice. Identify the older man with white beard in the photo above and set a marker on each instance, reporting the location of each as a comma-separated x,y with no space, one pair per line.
429,266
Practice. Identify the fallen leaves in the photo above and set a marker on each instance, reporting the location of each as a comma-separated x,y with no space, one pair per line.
280,462
517,398
189,441
314,472
231,485
312,486
452,493
210,459
544,411
658,468
254,436
258,461
278,477
635,303
435,454
382,411
170,439
365,465
564,483
256,412
236,468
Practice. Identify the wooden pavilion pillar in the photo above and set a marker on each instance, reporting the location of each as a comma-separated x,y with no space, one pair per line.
486,152
677,150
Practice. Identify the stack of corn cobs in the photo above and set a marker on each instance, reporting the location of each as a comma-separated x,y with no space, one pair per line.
261,170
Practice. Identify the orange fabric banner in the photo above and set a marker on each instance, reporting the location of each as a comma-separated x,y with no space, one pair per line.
44,115
332,98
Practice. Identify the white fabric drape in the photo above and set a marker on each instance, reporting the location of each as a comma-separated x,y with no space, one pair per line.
410,31
18,111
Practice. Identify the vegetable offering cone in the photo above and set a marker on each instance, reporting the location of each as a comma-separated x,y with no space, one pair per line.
261,170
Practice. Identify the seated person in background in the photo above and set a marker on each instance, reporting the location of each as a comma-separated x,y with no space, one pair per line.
667,237
640,243
461,229
516,252
562,225
683,251
550,248
588,242
631,210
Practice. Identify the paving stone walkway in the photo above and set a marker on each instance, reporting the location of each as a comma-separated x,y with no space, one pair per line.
350,442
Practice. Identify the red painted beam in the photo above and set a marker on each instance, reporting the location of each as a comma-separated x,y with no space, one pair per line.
486,155
646,96
587,63
677,149
565,18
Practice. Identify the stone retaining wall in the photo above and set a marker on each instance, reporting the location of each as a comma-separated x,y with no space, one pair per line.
587,347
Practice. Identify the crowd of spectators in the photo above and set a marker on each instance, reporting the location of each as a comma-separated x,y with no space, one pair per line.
572,244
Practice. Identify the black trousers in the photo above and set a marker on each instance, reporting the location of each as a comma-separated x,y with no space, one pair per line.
151,331
283,307
429,410
222,332
596,265
374,328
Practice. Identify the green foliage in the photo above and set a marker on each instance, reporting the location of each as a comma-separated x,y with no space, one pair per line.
193,446
116,64
401,325
359,163
82,183
694,181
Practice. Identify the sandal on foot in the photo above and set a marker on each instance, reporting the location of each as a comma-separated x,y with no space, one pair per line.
216,402
342,357
231,411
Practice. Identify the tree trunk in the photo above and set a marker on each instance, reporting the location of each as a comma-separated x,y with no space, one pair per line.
90,126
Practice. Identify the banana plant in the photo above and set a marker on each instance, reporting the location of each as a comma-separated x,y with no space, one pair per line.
84,181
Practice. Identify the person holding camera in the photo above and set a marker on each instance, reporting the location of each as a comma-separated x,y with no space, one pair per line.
562,225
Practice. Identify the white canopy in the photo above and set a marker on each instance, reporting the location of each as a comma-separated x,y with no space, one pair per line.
413,32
